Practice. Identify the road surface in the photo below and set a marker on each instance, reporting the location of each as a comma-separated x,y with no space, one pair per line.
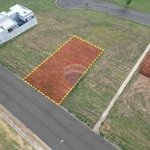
47,120
106,7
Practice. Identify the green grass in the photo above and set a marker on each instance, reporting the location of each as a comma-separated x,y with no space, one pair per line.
139,5
123,42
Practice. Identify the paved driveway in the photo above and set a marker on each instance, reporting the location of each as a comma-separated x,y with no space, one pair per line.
106,7
47,120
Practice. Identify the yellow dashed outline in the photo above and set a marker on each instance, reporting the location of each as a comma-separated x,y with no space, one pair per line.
51,56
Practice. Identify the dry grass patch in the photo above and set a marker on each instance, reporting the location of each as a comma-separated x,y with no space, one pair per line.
10,139
129,120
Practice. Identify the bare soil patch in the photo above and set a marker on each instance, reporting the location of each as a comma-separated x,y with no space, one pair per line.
145,66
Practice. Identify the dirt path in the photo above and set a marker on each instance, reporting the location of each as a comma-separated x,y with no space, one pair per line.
111,104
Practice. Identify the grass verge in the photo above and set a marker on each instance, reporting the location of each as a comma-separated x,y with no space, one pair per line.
10,139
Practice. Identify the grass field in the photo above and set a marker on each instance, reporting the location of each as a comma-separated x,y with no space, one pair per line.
10,139
128,124
139,5
123,42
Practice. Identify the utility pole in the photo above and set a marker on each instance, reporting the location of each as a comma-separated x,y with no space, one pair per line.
59,144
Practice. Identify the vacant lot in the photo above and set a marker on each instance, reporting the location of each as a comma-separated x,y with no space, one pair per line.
123,42
139,5
10,139
128,124
60,72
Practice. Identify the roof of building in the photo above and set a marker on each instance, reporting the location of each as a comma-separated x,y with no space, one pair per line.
22,11
3,15
1,30
7,24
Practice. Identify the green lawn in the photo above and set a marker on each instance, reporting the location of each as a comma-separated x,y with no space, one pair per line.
123,42
139,5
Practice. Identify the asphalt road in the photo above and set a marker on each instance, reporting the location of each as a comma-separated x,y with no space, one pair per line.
106,7
48,121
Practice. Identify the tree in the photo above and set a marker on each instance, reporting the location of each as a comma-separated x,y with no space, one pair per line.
87,4
128,1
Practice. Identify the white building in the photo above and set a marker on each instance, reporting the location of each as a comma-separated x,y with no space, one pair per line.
16,21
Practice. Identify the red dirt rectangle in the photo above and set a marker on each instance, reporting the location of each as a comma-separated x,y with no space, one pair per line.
145,66
58,74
